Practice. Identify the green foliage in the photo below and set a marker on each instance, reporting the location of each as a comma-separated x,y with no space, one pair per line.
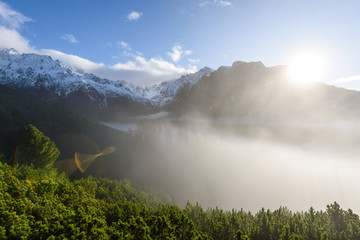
38,203
41,204
36,148
333,224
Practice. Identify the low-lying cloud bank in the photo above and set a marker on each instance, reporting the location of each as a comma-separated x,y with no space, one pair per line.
207,163
139,71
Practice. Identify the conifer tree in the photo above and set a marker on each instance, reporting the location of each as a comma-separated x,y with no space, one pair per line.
36,148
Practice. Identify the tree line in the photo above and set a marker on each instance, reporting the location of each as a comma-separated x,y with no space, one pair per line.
38,202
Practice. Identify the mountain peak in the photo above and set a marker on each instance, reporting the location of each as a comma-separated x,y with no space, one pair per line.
206,70
10,51
255,65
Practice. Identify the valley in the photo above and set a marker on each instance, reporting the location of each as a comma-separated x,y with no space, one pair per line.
189,120
228,139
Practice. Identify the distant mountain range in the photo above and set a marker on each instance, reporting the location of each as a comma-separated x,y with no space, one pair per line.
50,80
241,90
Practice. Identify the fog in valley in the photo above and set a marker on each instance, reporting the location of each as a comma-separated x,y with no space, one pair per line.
247,163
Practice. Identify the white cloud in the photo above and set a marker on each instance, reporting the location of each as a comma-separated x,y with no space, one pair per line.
10,38
219,3
134,15
187,52
223,3
139,71
10,22
124,45
203,4
147,72
10,18
177,53
194,60
348,79
69,37
71,61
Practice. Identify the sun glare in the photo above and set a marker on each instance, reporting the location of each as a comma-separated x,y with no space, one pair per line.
306,67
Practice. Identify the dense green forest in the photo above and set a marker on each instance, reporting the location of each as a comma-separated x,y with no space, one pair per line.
38,203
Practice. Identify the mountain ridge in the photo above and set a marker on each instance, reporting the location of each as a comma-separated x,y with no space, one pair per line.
50,79
244,89
250,89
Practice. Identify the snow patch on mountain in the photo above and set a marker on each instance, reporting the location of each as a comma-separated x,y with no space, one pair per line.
164,93
33,71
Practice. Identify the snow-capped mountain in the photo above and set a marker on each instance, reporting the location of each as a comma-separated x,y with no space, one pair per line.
243,89
50,78
164,93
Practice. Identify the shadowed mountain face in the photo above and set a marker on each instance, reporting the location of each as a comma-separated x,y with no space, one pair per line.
253,90
242,90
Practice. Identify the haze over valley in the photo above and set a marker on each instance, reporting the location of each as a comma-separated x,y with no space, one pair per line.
184,120
244,136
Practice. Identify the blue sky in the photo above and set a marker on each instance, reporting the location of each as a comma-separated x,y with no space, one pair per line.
145,42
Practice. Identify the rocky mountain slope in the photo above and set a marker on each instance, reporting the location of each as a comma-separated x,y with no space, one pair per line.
49,79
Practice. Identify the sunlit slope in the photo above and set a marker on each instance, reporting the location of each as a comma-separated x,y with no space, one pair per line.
253,90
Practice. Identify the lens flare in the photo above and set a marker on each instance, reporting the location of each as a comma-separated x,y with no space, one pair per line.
67,165
83,161
108,151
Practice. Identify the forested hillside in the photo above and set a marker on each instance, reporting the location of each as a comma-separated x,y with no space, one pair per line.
42,204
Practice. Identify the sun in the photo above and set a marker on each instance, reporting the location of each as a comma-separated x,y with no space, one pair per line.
306,67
